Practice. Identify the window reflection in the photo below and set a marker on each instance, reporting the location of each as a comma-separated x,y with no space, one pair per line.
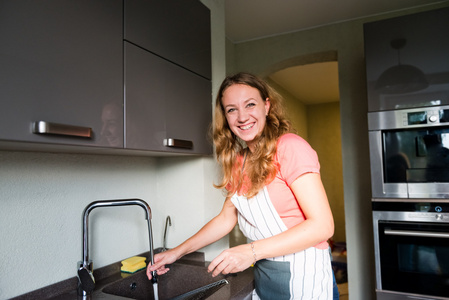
112,128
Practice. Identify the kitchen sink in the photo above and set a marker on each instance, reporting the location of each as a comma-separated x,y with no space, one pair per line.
183,281
187,279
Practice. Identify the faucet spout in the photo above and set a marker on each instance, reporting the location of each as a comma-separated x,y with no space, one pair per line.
167,223
85,267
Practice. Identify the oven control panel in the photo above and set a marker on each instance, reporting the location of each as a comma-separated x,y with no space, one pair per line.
428,216
428,116
409,118
418,211
423,205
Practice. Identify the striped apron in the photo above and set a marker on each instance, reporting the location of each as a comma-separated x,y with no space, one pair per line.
303,275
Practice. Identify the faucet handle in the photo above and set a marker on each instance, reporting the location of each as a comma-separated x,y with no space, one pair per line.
86,277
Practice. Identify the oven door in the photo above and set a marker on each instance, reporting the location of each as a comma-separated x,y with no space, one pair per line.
403,165
409,153
412,257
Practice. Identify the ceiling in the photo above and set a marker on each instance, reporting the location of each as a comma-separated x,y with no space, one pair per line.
254,19
311,84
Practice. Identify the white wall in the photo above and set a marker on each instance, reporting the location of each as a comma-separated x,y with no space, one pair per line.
185,189
42,197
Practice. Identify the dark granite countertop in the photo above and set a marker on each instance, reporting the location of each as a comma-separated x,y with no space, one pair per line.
191,266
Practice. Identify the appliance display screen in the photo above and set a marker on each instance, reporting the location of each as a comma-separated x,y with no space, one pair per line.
415,118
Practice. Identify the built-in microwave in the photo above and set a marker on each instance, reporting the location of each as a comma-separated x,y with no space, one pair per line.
409,153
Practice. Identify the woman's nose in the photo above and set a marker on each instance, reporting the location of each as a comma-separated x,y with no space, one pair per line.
243,116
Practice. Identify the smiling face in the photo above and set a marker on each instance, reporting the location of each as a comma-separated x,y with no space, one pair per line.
245,111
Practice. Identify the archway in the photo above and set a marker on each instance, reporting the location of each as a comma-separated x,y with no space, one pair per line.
317,119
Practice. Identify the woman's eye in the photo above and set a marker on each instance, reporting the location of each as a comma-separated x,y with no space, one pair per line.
251,104
230,110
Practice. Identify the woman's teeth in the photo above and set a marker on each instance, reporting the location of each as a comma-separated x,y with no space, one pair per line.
247,127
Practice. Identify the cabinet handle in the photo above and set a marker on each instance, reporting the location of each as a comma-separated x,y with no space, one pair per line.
178,143
42,127
416,233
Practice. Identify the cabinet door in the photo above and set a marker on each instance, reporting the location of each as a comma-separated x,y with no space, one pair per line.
61,62
165,102
178,30
407,61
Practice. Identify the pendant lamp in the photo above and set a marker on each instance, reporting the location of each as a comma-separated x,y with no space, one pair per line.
401,78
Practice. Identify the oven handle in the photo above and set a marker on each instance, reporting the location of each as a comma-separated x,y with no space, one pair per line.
416,233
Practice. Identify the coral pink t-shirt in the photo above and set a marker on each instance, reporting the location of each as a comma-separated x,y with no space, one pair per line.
295,157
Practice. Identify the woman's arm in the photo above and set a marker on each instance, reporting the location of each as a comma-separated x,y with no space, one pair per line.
214,230
317,227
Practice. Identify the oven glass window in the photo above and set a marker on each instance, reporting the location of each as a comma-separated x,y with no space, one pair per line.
414,257
419,155
423,259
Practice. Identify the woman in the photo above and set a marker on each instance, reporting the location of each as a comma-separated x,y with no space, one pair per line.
274,191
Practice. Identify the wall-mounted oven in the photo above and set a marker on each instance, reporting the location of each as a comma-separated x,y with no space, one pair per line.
411,249
409,152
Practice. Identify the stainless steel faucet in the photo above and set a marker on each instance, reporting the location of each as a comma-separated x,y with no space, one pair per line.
85,267
167,223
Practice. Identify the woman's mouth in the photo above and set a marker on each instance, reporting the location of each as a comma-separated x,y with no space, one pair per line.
246,127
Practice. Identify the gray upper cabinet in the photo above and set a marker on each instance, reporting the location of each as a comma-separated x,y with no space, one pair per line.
407,62
62,66
72,70
168,90
177,30
168,108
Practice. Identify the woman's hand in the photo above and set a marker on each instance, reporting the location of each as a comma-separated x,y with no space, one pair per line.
160,260
232,260
214,230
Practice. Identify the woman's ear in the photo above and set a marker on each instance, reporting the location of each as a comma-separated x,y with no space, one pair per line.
267,106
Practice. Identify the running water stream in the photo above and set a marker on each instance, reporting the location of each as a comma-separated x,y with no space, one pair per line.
155,291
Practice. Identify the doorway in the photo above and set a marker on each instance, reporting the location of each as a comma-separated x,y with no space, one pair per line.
312,99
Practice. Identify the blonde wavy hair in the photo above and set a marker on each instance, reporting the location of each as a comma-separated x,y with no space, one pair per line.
260,166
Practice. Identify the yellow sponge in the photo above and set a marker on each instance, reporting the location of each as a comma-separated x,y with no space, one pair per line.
133,264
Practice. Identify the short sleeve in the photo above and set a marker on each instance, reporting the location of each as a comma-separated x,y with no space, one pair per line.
295,157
